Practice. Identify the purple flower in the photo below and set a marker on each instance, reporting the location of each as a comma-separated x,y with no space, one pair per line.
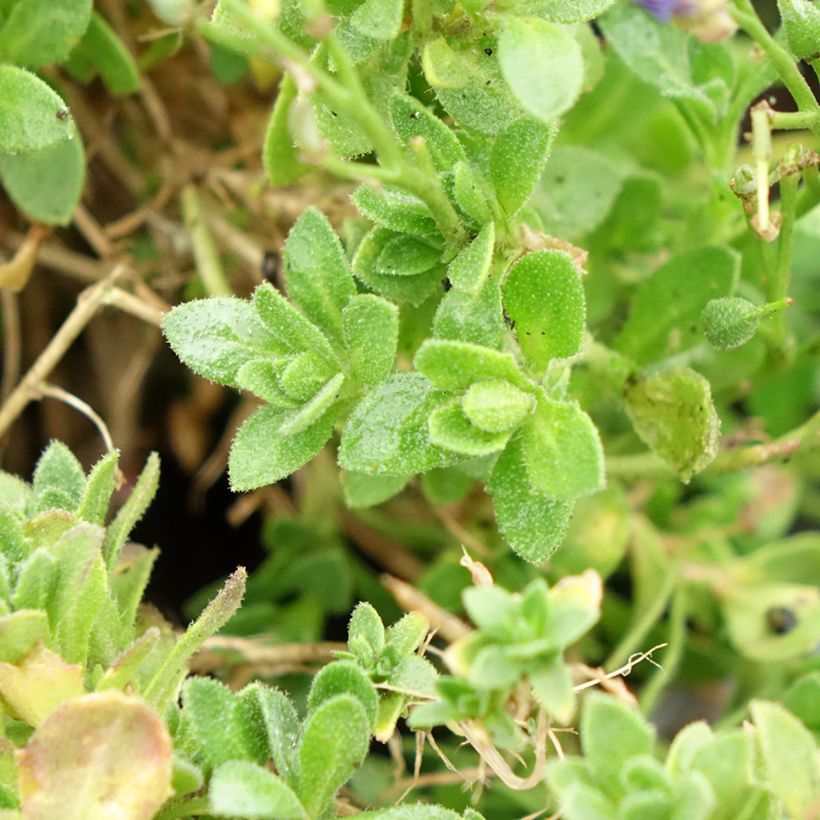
662,9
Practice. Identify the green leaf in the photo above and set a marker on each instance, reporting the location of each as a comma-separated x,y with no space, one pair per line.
371,333
655,52
366,630
32,116
15,494
59,480
801,21
789,756
419,811
396,210
730,322
673,414
472,193
611,734
563,11
281,724
241,789
47,183
298,420
100,487
334,743
492,669
20,631
542,64
339,678
562,450
80,592
406,635
577,191
36,581
380,19
387,432
514,180
665,315
495,406
215,337
413,289
129,580
406,256
470,269
803,699
293,331
544,296
411,120
132,510
476,318
726,762
279,155
574,606
362,490
552,686
451,365
305,374
317,273
451,429
262,377
210,707
102,47
39,32
261,455
533,523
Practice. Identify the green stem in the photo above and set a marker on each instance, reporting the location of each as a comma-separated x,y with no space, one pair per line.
792,120
676,640
640,627
218,612
783,62
206,255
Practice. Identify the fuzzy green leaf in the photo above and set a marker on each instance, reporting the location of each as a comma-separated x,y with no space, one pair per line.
544,296
262,378
611,734
215,337
366,629
451,429
451,365
562,450
343,677
47,183
801,21
514,180
414,289
380,19
304,374
261,455
406,256
407,634
495,406
542,64
533,523
470,269
472,193
242,789
371,333
334,743
396,210
100,487
789,756
665,315
293,330
317,273
564,11
411,119
36,581
476,318
279,155
32,115
387,432
552,686
132,511
298,420
59,480
20,631
673,414
39,32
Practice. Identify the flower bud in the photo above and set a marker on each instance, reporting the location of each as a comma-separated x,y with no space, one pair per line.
730,322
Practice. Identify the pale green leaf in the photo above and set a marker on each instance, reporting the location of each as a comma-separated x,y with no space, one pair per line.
242,789
371,333
544,296
298,420
380,19
102,47
343,677
562,450
361,490
450,365
495,406
261,455
673,414
451,429
542,64
533,523
477,318
470,269
39,32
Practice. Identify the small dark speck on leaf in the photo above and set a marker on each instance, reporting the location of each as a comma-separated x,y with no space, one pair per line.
488,52
780,619
62,113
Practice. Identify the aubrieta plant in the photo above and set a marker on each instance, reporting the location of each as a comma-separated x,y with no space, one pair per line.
567,314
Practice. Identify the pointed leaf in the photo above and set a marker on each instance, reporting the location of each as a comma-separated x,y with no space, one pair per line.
371,333
102,481
470,269
241,789
450,365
